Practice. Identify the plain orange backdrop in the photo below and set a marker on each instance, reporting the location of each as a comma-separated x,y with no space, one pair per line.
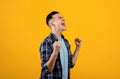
23,27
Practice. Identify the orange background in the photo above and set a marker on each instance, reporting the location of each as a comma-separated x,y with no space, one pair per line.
96,22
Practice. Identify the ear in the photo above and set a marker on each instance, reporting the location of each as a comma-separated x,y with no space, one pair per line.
51,23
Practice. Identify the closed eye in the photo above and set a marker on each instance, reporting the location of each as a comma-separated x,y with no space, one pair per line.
61,17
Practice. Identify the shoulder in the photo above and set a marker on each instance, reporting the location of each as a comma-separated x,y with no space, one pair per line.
46,45
46,41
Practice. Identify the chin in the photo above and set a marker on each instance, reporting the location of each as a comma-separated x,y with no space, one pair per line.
64,29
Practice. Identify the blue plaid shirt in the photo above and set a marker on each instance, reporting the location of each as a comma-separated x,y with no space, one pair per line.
46,49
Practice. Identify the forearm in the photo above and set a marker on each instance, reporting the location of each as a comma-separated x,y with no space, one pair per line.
75,55
51,62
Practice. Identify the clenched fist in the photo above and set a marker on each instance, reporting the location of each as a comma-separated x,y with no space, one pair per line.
78,42
56,46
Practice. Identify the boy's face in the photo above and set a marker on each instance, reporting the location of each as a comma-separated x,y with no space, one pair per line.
59,22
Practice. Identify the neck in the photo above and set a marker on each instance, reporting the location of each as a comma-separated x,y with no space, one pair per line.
57,34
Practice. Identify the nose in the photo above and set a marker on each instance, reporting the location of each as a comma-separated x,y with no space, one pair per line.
63,19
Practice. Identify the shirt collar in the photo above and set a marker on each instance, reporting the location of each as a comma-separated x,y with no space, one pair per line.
53,37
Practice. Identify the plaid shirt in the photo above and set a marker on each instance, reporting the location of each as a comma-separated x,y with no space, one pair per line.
46,49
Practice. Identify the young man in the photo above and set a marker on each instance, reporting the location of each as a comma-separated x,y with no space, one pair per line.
56,56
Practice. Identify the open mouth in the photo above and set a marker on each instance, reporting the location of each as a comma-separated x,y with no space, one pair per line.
63,24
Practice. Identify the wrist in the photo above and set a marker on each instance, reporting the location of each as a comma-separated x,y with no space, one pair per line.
77,47
55,52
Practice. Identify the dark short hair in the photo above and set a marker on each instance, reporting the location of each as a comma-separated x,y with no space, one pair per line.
49,16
